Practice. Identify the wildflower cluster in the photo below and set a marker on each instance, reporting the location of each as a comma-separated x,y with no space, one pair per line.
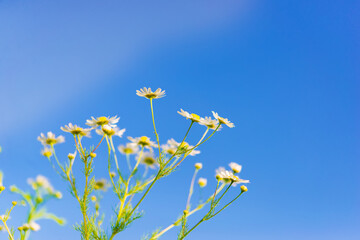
132,183
35,201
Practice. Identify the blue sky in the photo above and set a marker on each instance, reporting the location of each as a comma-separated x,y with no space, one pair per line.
285,72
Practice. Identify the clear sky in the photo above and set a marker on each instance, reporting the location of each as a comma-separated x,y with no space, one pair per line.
285,72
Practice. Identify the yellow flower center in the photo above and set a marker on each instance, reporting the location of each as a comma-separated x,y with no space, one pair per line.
50,141
102,120
195,117
184,145
47,153
151,95
144,141
77,131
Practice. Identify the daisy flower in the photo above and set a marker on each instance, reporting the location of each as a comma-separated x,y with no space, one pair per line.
76,130
110,131
149,160
192,116
50,139
143,141
34,226
210,123
223,120
101,184
46,152
235,167
100,121
172,146
129,148
228,176
146,92
202,182
198,166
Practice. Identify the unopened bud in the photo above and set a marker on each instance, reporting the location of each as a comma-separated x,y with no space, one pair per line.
198,166
92,155
243,188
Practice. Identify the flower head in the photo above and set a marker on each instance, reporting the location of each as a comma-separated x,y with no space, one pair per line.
229,177
210,123
46,152
146,92
198,166
110,131
101,184
129,148
143,142
50,139
223,120
235,167
149,160
40,181
202,182
76,130
192,116
172,146
34,226
101,121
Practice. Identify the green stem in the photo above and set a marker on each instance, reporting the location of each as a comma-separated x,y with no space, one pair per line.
153,119
191,190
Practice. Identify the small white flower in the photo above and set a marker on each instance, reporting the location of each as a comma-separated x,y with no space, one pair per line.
46,152
235,167
50,139
110,131
228,176
129,148
223,120
210,123
101,121
192,116
149,160
76,130
34,226
172,146
146,92
202,182
143,141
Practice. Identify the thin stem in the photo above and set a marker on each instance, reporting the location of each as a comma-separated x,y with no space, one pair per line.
153,119
227,205
57,160
7,229
115,157
199,207
128,161
191,190
98,144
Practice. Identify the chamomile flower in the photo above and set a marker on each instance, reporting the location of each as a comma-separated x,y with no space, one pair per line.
40,181
46,152
148,160
50,139
235,167
210,123
192,116
129,148
143,141
228,176
170,147
34,226
110,131
223,120
146,92
202,182
101,121
101,184
76,130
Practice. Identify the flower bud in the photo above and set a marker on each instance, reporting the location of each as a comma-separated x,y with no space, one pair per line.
92,155
243,188
93,198
198,166
14,203
58,195
2,188
71,156
112,174
186,212
202,182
